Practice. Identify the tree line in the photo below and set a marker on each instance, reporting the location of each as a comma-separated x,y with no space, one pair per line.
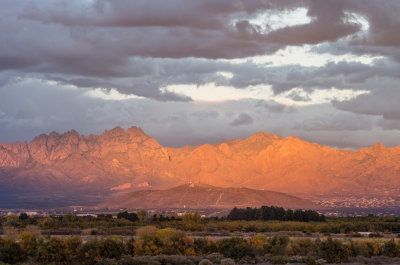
105,224
267,213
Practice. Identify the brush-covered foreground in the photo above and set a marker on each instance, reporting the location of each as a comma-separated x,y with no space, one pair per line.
170,246
160,240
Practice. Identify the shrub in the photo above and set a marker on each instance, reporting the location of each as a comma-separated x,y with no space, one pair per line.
391,249
302,247
73,243
130,246
205,262
215,258
204,246
89,252
235,248
277,245
95,250
258,242
334,251
365,248
110,248
146,233
279,260
128,260
310,261
174,259
108,262
228,262
28,243
11,252
52,251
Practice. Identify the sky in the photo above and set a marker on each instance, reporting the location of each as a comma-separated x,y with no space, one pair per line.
190,72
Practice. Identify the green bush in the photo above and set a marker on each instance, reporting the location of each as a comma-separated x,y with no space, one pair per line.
302,247
391,249
235,248
53,250
204,246
73,244
89,252
276,245
11,252
95,250
28,243
110,248
333,251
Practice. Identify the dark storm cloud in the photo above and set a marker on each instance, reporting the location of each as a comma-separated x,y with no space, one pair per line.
203,14
140,47
328,25
121,39
382,101
242,119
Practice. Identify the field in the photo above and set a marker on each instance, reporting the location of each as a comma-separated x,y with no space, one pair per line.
138,238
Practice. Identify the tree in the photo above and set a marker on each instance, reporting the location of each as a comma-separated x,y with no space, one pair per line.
192,218
128,216
23,217
142,216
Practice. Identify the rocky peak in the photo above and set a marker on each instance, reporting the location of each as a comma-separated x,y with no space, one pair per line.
136,131
293,142
114,133
294,146
378,146
39,140
262,136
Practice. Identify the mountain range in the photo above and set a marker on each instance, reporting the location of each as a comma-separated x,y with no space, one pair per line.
69,168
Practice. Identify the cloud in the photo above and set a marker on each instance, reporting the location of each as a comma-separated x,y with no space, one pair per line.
46,107
55,57
130,42
242,119
338,122
328,25
382,101
274,107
